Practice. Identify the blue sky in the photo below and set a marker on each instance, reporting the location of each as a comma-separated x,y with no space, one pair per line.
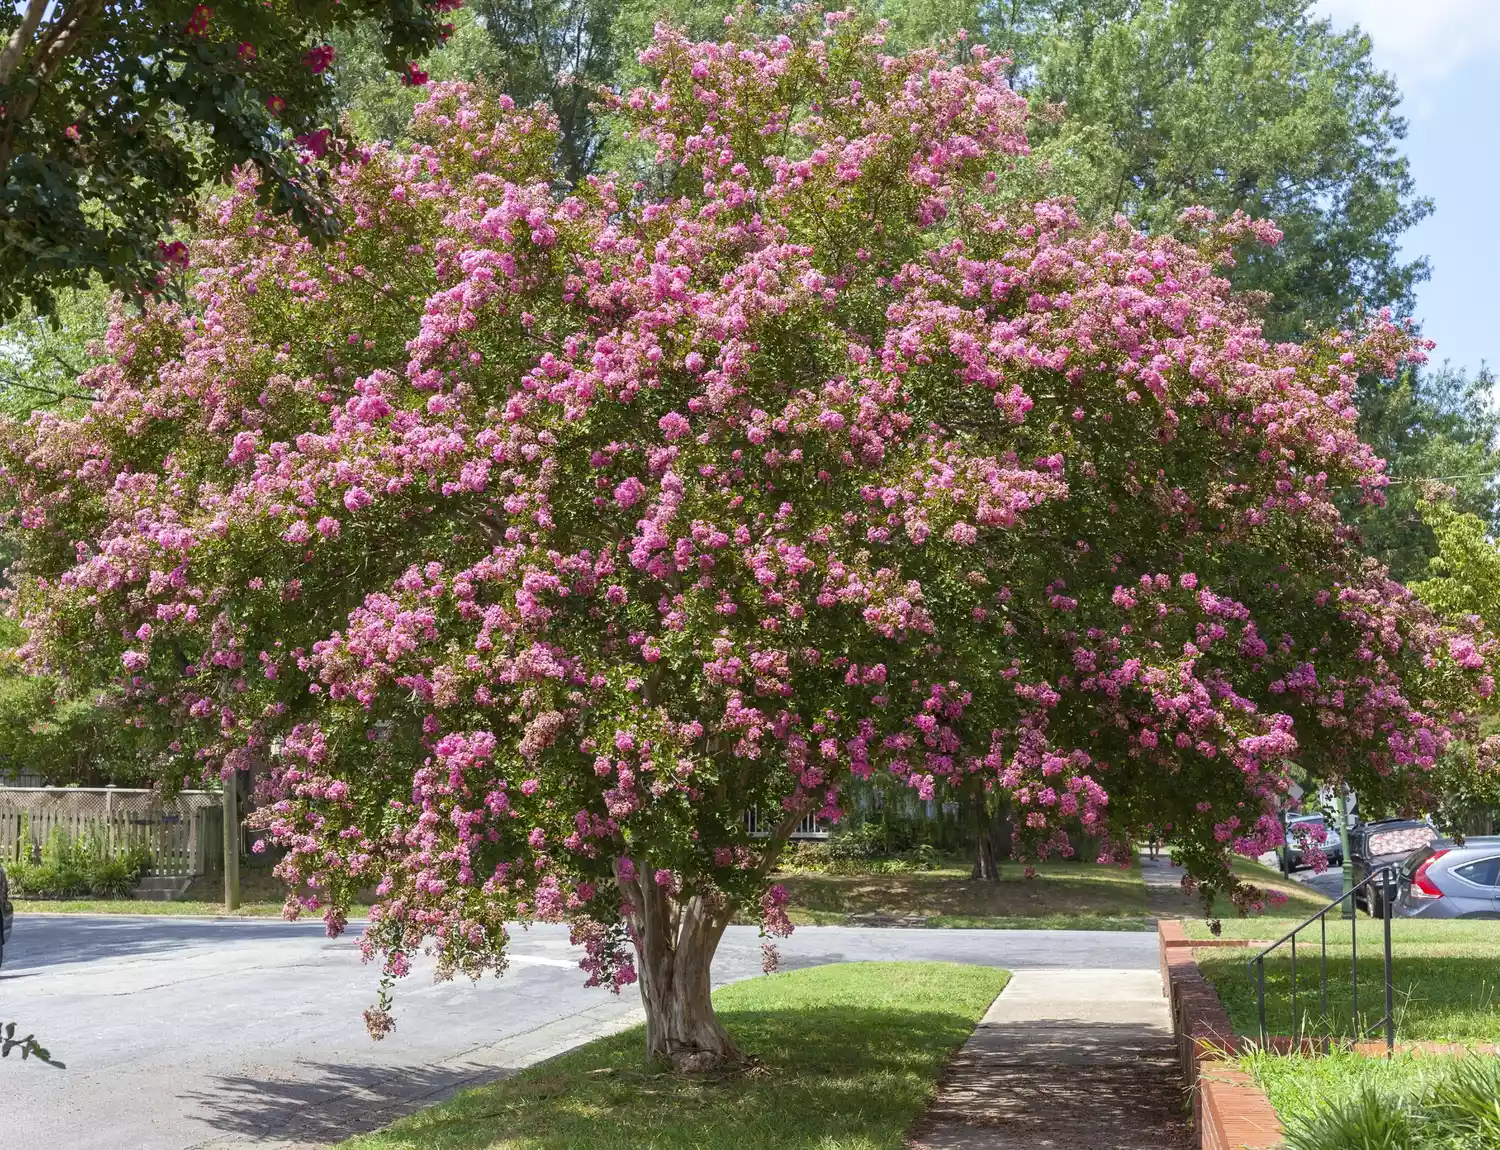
1446,56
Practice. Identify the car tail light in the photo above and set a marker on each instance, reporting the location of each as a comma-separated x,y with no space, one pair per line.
1421,885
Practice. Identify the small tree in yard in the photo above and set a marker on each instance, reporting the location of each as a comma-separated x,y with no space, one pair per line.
531,537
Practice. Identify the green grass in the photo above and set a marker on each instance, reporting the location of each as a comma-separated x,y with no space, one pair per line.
262,895
1301,901
1347,1101
1063,895
1446,976
846,1058
184,908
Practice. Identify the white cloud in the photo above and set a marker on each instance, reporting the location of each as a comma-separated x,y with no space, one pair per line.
1423,41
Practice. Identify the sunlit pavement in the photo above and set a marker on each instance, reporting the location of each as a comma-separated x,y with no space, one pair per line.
195,1033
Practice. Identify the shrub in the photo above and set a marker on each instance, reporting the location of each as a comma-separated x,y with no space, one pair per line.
79,867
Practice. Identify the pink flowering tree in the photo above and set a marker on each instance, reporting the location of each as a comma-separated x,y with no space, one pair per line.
523,540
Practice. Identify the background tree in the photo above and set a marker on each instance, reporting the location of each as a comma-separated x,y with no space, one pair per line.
1253,105
42,357
376,101
113,115
1429,425
535,536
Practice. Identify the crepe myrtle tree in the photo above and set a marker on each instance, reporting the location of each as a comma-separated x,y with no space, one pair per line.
524,539
113,115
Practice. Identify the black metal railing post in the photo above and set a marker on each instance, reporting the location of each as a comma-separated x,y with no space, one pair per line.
1386,878
1387,910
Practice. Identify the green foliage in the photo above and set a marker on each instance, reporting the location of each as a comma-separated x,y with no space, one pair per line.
41,357
1464,576
1430,425
115,116
28,1046
1347,1101
1368,1121
861,848
73,867
378,105
1249,104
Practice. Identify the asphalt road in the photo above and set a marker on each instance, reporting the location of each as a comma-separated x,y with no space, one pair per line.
197,1033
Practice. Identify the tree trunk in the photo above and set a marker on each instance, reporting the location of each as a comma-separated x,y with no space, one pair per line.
674,946
985,869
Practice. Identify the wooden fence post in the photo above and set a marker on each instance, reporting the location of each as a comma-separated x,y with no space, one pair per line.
231,844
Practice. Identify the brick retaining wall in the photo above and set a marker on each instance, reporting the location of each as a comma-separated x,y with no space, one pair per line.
1230,1111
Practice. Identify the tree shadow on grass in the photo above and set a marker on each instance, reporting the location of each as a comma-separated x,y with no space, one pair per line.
821,1076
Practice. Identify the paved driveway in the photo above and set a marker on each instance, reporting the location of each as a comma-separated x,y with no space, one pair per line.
200,1033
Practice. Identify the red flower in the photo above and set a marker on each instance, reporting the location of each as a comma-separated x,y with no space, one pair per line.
316,142
72,132
174,254
247,51
413,77
445,32
318,59
197,24
447,5
275,105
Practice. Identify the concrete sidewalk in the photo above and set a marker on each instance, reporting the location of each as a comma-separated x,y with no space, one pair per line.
1066,1059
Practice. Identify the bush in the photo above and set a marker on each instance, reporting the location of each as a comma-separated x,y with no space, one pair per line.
78,868
859,850
1456,1106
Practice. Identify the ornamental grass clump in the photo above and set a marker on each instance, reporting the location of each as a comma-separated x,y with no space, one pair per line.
524,537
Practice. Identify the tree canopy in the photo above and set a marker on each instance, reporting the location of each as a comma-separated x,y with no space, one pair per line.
525,539
113,116
1251,105
1429,426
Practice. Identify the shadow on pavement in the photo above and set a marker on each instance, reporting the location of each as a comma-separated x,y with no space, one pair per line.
325,1102
40,940
1099,1085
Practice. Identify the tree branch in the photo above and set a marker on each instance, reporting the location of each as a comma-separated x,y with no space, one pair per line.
20,39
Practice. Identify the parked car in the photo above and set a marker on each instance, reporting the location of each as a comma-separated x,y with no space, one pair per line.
1309,830
1385,842
1444,880
7,913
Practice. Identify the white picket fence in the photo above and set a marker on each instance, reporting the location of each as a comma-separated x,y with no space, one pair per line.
184,834
809,829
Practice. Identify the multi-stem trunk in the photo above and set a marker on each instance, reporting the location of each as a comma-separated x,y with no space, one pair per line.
674,944
985,867
675,940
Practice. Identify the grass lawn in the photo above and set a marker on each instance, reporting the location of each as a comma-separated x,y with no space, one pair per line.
1063,895
847,1058
1347,1101
1446,974
1301,901
261,896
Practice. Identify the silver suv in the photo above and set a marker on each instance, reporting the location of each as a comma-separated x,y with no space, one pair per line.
1445,880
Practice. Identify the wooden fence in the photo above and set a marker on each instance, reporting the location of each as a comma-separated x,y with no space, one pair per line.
183,834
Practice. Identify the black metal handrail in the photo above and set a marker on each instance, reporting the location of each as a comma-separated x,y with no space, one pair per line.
1386,876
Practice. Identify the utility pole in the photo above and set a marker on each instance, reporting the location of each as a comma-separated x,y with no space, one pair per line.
232,843
1348,868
